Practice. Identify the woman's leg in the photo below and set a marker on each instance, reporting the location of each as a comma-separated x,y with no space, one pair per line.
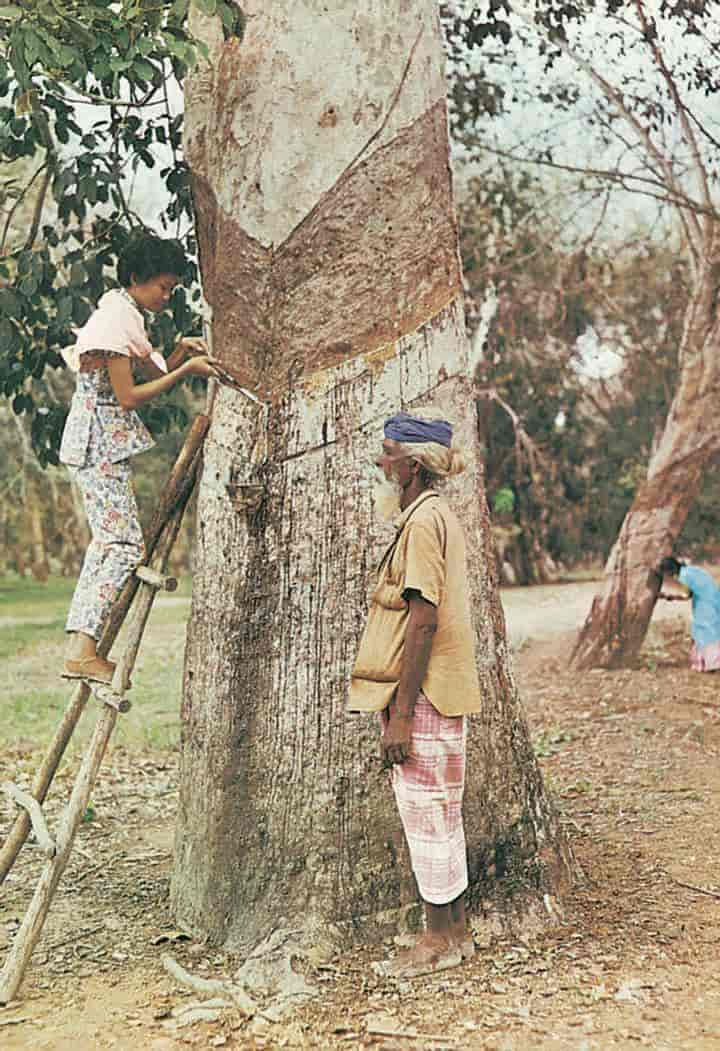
115,550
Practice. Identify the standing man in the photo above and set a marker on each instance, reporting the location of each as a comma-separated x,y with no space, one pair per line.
416,667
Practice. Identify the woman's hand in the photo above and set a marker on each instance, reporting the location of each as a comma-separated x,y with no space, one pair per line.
199,366
185,349
190,346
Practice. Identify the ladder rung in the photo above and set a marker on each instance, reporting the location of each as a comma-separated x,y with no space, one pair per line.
155,579
108,696
37,818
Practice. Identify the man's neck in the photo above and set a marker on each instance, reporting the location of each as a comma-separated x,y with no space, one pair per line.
413,491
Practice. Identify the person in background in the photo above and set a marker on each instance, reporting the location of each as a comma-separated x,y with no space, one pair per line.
697,584
117,371
416,668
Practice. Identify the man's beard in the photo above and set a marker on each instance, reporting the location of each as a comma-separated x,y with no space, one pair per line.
386,497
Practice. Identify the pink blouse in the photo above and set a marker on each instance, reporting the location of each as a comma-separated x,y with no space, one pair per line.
116,325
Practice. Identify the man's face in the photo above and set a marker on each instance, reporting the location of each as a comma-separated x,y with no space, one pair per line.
395,465
394,475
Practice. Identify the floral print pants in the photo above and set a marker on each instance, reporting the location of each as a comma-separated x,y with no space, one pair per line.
116,547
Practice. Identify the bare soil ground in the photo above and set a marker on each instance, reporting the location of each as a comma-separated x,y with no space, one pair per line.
632,761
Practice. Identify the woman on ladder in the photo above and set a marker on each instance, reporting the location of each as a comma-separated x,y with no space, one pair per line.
103,431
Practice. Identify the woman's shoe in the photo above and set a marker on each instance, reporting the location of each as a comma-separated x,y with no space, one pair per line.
94,669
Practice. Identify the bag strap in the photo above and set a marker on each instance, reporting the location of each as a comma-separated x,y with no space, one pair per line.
391,548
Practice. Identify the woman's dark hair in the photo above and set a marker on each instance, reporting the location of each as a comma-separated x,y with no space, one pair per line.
670,566
146,256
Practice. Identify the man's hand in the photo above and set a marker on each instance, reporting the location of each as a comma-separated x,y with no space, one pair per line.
395,741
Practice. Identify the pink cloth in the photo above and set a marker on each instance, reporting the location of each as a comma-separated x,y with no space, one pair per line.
705,659
428,790
117,325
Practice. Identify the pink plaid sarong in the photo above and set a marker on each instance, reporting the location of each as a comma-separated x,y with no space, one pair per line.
428,790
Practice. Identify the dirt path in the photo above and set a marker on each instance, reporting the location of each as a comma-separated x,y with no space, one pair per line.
631,758
553,609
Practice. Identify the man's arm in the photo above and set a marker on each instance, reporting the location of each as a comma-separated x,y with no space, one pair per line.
422,623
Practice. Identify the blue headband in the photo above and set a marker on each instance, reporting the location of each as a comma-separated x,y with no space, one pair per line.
405,428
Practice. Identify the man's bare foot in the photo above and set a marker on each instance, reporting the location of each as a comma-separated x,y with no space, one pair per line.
462,939
429,954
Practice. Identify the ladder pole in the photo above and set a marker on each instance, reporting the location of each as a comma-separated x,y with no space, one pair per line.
148,592
177,480
37,818
176,488
32,925
21,826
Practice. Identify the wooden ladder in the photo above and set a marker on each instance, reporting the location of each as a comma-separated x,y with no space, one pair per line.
148,579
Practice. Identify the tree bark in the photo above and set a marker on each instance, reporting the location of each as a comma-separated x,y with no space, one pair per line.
328,251
617,623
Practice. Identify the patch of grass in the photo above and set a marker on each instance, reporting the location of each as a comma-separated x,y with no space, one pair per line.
32,641
28,599
551,742
28,635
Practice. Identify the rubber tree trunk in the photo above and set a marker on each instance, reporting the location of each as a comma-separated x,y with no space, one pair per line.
617,623
329,257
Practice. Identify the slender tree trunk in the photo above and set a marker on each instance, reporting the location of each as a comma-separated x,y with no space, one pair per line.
329,257
39,560
616,625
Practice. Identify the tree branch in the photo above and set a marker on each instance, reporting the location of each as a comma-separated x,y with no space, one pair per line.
615,96
41,123
679,107
676,198
21,197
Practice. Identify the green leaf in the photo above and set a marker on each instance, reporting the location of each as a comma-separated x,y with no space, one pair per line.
32,47
64,310
28,286
208,7
179,48
101,69
8,337
9,305
66,55
81,311
143,69
78,274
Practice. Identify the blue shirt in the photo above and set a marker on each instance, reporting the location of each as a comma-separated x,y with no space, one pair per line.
705,605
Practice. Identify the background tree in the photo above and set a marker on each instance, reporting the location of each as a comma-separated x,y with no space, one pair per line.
647,101
534,436
88,107
85,106
328,249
